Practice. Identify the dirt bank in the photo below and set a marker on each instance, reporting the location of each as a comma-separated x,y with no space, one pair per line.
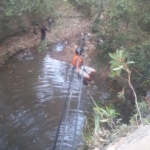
69,27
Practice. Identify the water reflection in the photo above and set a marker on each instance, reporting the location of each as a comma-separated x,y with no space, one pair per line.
31,99
25,55
60,46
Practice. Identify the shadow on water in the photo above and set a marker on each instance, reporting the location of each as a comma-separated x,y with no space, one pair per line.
32,93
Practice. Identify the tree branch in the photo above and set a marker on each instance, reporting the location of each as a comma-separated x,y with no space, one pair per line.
135,96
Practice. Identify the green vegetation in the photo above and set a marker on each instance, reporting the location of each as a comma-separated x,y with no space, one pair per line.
122,31
97,128
118,63
43,46
106,125
16,16
125,23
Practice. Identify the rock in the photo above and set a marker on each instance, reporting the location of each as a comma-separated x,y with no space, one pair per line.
137,140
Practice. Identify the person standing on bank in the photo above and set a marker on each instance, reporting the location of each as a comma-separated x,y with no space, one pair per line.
49,22
43,32
86,71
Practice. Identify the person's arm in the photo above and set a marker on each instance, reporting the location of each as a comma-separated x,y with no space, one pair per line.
78,68
46,29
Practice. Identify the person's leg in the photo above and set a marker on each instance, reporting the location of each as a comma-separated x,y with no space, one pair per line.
86,77
85,82
84,74
49,26
42,38
90,71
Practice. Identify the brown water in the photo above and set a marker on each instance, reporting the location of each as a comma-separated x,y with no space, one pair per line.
32,93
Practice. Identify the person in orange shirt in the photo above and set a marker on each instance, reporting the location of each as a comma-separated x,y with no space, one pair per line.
86,71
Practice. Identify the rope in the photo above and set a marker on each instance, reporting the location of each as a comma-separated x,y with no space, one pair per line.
62,114
75,130
79,100
63,134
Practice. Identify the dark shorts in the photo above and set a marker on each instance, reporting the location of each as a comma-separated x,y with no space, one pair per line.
43,37
85,71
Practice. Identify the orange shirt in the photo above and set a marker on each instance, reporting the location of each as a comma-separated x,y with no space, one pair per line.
77,61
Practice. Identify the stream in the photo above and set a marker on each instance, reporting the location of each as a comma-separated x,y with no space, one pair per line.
32,93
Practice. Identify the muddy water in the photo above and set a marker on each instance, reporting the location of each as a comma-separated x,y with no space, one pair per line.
32,94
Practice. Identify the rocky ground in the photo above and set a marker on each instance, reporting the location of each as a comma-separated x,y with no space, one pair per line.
136,140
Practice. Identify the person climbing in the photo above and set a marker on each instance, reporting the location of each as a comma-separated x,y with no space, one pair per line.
49,20
35,31
86,71
43,32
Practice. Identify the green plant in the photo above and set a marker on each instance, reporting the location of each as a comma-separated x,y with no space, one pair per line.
102,115
95,131
107,115
143,107
43,46
96,122
146,121
118,62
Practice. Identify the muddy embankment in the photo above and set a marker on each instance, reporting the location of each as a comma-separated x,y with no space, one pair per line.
68,27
